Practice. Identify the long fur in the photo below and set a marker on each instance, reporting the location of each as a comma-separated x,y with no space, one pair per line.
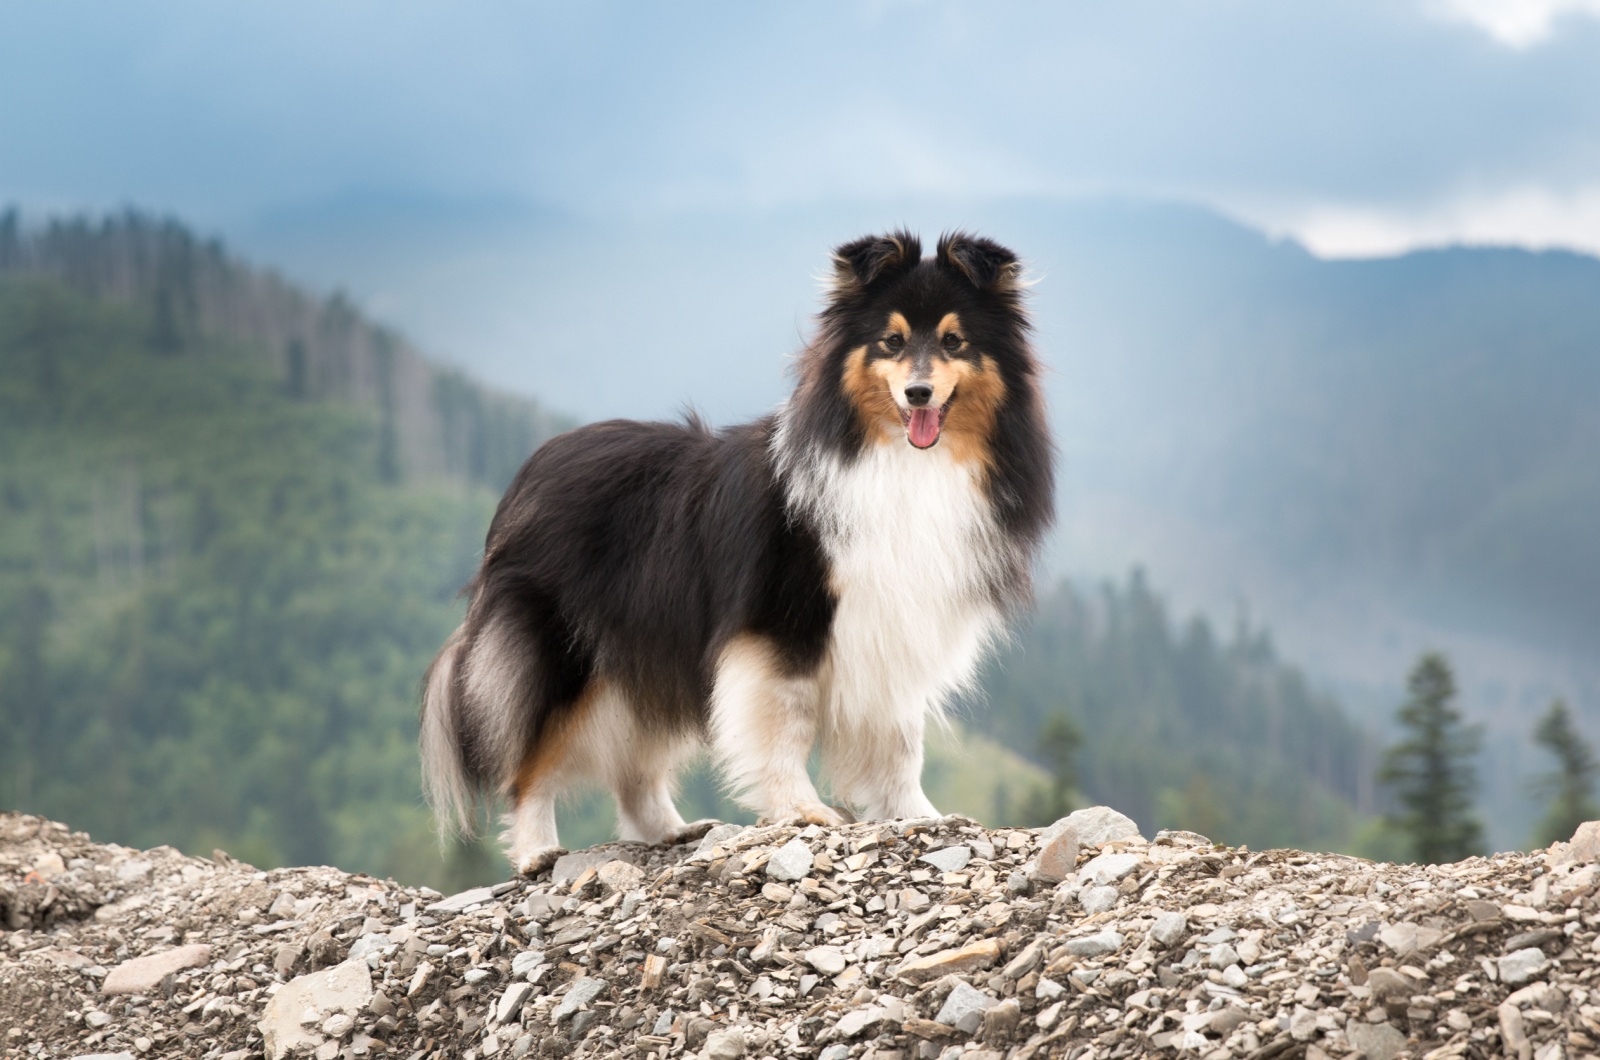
812,576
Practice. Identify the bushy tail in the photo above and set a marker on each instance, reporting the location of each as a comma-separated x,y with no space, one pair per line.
449,788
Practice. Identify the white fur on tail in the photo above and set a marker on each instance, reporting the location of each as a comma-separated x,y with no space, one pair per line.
444,779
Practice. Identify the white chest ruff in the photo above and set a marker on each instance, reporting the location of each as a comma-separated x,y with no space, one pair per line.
914,554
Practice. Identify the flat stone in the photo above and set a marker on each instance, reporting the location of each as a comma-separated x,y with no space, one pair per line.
1379,1041
726,1044
1522,965
948,859
981,954
858,1020
1222,956
964,1008
1478,909
1094,825
124,1055
718,836
828,960
1099,899
580,993
1387,984
1169,929
569,867
142,975
1108,868
1302,1024
620,875
525,962
792,861
511,1002
345,988
465,900
1058,859
1406,938
1096,945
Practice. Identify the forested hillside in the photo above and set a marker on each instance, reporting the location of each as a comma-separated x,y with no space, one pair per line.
1182,727
234,518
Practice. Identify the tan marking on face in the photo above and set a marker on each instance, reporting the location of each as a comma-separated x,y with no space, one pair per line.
868,389
898,325
969,424
553,745
948,324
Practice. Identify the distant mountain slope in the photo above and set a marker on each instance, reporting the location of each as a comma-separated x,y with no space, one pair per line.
194,295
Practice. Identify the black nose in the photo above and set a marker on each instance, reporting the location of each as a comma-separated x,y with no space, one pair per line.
919,394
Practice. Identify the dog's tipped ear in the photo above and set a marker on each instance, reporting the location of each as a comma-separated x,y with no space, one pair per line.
986,263
860,264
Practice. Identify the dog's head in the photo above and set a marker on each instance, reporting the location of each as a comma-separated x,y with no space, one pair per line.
919,347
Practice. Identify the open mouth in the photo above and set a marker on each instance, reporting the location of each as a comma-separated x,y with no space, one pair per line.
923,425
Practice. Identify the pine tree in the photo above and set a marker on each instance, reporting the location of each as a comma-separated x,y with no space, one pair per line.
1570,787
1058,742
1430,769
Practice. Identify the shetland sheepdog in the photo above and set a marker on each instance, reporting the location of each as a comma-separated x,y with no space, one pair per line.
831,573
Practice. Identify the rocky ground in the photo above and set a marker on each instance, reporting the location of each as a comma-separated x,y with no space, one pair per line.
911,939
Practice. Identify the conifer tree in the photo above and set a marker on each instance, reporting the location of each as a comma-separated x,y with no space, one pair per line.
1430,769
1059,739
1570,786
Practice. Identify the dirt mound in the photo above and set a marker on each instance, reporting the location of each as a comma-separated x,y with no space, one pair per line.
910,939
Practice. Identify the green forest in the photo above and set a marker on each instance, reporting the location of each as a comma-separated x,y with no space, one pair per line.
234,520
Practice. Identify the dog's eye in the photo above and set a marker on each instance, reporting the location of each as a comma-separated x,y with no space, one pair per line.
895,341
952,341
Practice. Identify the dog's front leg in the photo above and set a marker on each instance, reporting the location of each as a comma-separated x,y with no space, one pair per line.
877,768
763,726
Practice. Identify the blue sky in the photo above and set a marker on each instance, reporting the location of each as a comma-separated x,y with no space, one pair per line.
1359,126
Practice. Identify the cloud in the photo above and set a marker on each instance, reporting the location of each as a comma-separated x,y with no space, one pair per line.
1518,24
1534,217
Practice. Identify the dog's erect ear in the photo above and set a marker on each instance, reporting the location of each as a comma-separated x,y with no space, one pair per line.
860,264
986,263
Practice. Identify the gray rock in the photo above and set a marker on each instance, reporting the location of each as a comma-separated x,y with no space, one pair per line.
1099,899
569,867
620,875
948,859
465,900
828,960
1387,984
1379,1041
664,1021
857,1020
580,993
964,1008
836,1051
1303,1024
718,836
107,1056
1108,868
366,945
1017,883
1522,965
792,861
1094,825
525,962
142,975
727,1044
511,1002
1223,955
1096,945
1169,929
344,988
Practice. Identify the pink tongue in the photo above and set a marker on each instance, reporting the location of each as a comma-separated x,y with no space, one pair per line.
924,427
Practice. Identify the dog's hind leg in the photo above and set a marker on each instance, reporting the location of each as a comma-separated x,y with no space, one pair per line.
763,725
